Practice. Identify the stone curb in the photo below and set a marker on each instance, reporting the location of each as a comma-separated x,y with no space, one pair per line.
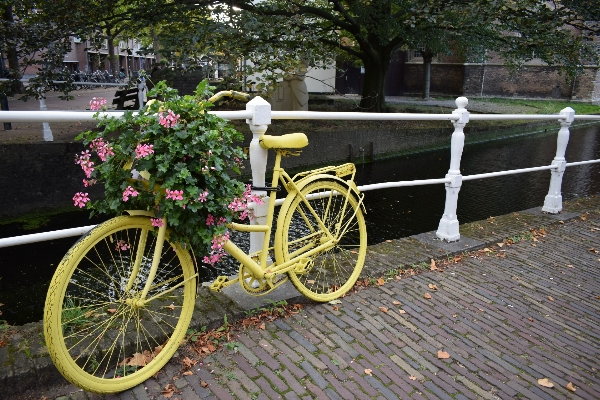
24,362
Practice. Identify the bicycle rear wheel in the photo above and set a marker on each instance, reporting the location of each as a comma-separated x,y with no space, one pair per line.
99,338
331,273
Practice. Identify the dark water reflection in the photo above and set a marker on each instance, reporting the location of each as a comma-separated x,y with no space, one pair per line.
400,212
391,213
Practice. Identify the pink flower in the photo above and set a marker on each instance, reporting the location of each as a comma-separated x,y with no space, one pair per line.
129,192
80,199
202,197
97,103
169,119
210,220
102,148
174,194
240,206
122,245
157,222
217,251
90,182
143,150
86,163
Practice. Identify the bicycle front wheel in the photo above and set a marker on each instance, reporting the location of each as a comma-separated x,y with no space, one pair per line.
99,334
331,273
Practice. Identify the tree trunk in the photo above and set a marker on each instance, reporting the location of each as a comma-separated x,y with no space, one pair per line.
111,56
373,92
427,58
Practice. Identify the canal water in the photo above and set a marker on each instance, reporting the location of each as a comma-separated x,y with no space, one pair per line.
26,270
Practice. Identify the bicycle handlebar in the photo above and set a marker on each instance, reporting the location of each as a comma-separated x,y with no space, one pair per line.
229,93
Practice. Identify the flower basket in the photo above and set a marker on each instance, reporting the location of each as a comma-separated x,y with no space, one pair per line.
174,159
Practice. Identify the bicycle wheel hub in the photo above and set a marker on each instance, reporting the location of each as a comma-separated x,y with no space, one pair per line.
135,303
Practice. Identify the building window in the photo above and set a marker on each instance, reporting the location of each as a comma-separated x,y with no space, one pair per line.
418,52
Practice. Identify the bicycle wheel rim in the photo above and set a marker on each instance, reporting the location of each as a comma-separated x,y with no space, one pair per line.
331,273
99,341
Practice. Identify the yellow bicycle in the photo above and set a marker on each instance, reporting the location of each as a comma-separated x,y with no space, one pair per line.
122,298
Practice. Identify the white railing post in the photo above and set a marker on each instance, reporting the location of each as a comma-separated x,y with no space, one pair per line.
261,118
448,227
553,201
47,132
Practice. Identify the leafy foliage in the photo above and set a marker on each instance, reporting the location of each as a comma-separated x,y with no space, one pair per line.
177,168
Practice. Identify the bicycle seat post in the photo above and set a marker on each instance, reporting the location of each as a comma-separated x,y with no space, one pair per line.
261,111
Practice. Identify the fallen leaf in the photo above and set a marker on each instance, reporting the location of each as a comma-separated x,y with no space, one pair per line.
369,372
443,355
383,309
427,295
402,311
310,282
412,378
380,281
530,319
112,310
335,308
486,250
396,303
169,390
433,287
550,298
545,382
336,301
570,266
433,266
571,387
262,326
454,315
561,222
203,384
500,244
593,250
188,373
171,307
188,363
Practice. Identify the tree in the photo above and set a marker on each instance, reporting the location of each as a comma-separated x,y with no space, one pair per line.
29,36
375,29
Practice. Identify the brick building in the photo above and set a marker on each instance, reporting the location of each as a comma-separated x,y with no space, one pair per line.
452,76
82,58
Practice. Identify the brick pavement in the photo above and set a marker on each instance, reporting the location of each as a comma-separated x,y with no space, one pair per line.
507,317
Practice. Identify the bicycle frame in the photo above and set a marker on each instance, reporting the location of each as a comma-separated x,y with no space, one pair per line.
259,266
261,269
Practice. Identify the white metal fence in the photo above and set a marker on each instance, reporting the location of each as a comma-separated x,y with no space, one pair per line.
258,115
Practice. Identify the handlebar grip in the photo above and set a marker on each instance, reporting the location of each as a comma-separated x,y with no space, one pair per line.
229,93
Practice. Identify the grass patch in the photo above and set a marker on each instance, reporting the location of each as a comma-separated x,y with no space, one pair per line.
548,106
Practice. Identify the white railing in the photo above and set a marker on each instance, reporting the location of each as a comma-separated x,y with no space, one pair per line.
21,116
258,115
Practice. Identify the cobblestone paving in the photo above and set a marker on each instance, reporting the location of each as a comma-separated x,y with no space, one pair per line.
506,317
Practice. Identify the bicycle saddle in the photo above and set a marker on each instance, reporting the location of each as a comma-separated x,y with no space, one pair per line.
288,141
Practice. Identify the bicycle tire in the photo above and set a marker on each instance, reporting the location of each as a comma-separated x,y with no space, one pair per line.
331,273
99,342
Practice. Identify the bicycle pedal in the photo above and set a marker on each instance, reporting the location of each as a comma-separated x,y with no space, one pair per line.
220,283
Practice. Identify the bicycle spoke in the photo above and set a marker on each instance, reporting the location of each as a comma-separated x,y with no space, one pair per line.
102,325
330,211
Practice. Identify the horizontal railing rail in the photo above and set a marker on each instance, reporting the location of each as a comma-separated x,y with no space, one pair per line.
259,115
